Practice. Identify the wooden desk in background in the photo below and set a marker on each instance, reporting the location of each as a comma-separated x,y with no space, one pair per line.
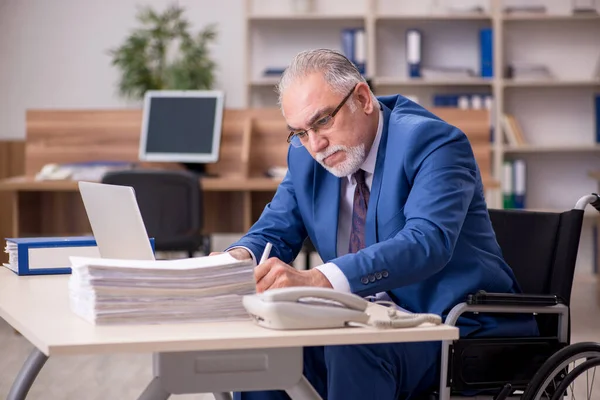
252,142
47,208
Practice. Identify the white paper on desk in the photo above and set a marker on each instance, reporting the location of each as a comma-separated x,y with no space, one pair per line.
219,260
160,291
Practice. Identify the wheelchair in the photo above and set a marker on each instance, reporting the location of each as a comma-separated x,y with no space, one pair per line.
541,248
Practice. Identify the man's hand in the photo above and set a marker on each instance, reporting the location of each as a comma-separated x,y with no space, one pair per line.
274,273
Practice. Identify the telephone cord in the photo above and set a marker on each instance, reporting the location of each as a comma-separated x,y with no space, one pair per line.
401,320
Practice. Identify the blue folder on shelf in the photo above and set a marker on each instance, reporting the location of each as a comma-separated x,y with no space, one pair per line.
486,43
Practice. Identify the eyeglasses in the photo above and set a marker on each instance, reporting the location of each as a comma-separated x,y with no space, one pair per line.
296,138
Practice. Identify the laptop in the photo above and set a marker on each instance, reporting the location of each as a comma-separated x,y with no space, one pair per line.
116,221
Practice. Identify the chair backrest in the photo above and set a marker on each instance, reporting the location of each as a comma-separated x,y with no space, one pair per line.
170,202
541,248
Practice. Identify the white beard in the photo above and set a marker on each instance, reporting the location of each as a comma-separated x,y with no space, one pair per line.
355,156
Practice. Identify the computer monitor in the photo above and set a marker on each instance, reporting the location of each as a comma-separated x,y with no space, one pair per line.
182,126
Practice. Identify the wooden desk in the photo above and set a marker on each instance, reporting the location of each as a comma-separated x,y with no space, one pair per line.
38,307
218,184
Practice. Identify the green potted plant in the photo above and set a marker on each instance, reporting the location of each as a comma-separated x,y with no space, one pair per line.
162,54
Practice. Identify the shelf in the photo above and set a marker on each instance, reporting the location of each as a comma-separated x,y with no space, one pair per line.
306,17
392,81
552,149
551,83
550,17
555,110
434,17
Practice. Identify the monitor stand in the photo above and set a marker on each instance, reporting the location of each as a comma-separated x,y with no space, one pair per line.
198,169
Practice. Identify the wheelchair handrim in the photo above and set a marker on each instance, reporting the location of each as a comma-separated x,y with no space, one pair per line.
563,364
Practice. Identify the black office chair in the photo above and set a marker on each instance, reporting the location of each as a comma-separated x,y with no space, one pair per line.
171,205
541,248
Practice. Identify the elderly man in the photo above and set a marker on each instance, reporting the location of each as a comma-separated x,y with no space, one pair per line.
393,201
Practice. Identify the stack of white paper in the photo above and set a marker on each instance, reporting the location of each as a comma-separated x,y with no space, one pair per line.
106,291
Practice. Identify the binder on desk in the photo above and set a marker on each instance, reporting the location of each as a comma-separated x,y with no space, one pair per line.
48,255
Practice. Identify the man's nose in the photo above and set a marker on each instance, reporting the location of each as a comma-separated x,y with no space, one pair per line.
317,142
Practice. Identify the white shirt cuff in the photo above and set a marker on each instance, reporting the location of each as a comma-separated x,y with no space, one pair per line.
247,249
335,276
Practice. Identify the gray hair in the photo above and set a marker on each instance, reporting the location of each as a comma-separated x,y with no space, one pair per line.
339,72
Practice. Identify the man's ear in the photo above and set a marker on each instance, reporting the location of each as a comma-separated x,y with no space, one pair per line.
365,101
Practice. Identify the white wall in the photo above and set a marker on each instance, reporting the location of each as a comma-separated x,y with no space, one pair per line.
53,53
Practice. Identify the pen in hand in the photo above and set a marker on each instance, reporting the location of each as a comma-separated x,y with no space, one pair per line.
266,253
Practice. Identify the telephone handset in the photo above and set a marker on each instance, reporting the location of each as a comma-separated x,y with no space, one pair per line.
305,308
316,308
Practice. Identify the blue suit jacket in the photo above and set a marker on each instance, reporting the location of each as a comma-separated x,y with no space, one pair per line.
429,237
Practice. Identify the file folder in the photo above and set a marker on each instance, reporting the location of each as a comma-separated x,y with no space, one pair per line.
413,52
486,43
520,183
49,255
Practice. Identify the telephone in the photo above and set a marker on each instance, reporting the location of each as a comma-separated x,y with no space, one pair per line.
318,308
53,172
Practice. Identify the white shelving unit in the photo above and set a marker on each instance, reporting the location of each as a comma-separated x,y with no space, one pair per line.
556,115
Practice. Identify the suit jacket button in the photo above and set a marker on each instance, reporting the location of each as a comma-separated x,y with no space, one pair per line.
364,280
378,275
385,274
372,278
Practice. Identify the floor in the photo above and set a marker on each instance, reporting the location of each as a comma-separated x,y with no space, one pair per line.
125,376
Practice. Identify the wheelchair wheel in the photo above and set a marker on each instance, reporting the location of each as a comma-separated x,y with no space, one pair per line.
555,369
568,381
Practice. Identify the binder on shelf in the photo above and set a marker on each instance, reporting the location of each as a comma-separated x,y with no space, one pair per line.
512,131
413,52
520,184
489,105
360,50
464,101
354,47
48,255
486,43
507,185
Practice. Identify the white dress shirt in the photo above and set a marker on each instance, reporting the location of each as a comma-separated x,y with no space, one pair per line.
348,185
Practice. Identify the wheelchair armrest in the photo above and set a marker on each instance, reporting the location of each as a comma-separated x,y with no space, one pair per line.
512,299
562,310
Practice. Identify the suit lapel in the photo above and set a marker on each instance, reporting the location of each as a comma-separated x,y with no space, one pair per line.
371,228
326,204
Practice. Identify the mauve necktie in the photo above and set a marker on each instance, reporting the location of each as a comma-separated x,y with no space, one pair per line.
359,213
